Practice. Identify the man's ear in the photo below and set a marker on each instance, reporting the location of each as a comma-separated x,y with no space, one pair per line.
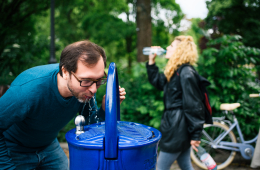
65,73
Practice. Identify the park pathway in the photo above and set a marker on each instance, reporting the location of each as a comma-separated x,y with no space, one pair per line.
238,164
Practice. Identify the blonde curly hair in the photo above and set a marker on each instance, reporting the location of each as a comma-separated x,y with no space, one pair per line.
185,52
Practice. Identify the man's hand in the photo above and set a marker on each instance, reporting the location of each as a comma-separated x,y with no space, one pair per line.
122,94
194,144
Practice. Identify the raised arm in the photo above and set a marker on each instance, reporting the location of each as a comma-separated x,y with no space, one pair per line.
157,79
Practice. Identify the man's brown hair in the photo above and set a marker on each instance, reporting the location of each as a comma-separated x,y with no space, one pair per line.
87,52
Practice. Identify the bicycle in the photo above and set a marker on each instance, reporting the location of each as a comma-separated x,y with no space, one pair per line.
221,143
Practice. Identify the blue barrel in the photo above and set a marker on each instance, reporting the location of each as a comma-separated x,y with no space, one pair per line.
113,144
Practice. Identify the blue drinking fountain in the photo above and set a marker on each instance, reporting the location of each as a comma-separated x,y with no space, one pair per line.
113,144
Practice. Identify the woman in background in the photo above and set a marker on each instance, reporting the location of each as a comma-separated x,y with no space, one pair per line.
183,117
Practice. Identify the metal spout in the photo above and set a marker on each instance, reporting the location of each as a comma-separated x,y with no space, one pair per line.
79,122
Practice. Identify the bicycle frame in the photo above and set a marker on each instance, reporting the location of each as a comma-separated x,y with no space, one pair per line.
243,147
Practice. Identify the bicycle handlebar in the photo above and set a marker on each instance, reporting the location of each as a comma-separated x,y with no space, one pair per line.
254,95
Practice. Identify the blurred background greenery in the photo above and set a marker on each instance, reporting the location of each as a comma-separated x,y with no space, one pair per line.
228,42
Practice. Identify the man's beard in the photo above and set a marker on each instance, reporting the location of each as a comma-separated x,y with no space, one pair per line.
75,94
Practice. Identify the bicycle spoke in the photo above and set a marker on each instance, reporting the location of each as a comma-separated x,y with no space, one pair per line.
204,141
207,135
219,136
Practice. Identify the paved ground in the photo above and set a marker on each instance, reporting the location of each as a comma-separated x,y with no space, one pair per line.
238,164
243,165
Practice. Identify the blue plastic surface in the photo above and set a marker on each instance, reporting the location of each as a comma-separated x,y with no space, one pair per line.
112,110
130,135
114,144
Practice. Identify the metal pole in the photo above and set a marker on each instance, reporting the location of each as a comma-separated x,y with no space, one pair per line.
52,50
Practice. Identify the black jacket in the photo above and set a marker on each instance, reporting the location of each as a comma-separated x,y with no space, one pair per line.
183,117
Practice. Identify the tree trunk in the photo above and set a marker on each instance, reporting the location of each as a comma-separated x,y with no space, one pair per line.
129,48
144,27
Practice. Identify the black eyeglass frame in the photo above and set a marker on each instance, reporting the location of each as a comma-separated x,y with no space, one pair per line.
89,79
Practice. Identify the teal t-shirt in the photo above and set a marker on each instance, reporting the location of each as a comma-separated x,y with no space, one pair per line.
32,112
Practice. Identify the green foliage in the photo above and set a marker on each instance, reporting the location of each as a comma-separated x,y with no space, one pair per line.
97,22
229,66
18,19
216,5
195,31
29,49
160,35
144,103
172,16
71,14
236,17
113,34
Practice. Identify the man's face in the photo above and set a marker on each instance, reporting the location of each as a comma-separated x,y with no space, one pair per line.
84,72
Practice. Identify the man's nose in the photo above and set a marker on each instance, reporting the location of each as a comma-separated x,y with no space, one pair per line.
93,88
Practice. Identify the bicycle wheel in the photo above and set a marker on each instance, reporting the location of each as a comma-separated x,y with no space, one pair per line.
222,157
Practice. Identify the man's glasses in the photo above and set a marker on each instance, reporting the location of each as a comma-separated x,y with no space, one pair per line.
88,82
